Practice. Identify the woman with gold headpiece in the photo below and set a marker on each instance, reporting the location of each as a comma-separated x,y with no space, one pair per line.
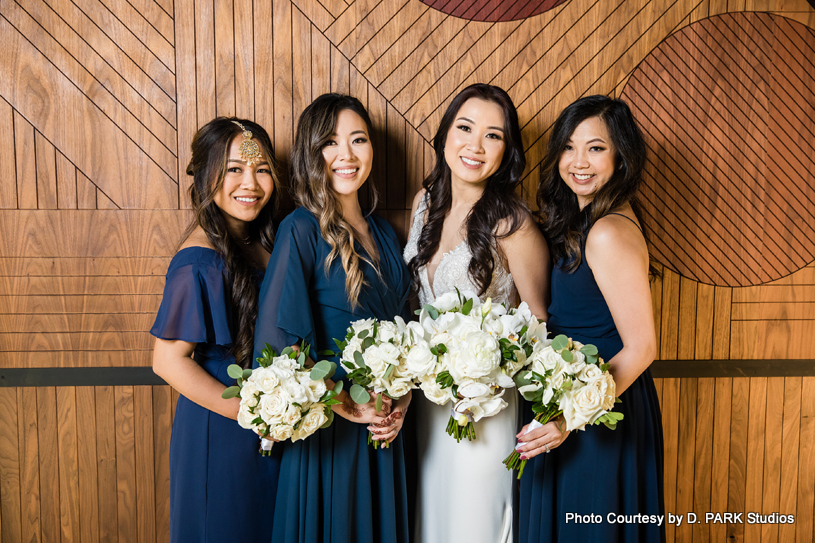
334,264
220,486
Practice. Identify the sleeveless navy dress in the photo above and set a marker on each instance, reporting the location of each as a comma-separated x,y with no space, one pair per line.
597,471
333,487
221,488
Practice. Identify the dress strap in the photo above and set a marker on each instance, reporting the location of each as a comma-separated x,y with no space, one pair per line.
629,218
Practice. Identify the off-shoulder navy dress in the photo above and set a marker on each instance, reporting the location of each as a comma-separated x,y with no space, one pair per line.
333,486
221,488
597,471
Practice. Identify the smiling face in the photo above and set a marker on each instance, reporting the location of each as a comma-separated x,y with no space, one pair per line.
348,154
587,162
475,143
245,189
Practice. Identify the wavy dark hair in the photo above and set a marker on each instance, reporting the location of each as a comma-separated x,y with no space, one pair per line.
311,184
498,202
208,165
564,223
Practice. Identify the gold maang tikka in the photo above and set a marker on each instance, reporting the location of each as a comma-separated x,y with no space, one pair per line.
249,150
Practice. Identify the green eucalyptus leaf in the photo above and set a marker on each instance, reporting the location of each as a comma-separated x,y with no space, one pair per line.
287,351
560,342
389,371
567,356
301,359
231,392
359,394
327,352
320,370
234,371
363,334
432,311
359,360
367,342
330,416
337,387
588,350
247,373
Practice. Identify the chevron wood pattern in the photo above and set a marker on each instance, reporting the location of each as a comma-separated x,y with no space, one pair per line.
99,100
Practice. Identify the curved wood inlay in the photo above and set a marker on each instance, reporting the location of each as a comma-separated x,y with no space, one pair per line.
493,10
727,106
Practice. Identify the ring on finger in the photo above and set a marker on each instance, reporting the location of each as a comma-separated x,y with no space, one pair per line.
546,446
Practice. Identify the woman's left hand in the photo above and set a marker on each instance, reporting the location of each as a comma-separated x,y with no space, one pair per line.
541,440
389,428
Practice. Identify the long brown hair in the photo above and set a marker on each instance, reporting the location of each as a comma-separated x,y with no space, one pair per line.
564,224
311,184
498,202
208,165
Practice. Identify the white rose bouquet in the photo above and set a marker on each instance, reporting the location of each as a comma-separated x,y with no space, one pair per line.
565,377
282,399
470,353
375,354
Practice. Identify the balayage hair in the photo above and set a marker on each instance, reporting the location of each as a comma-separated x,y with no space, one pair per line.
564,224
499,202
208,166
311,185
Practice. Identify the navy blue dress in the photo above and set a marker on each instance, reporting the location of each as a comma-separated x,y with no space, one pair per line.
333,486
221,488
596,471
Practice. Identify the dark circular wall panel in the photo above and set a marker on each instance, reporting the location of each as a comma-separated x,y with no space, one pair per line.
493,10
728,108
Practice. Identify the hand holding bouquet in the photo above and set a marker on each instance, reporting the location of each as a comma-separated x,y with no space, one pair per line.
565,377
472,352
282,399
374,354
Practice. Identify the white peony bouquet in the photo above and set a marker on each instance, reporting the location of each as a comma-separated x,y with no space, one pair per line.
469,353
282,399
374,353
565,377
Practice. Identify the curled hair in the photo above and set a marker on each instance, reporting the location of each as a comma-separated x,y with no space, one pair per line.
499,201
208,166
311,185
564,223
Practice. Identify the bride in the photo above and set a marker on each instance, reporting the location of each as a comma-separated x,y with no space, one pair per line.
471,231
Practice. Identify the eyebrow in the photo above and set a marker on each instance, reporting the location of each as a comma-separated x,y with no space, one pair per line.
334,134
473,122
239,161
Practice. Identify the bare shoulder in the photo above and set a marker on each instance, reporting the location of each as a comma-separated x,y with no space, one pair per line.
616,237
197,239
527,237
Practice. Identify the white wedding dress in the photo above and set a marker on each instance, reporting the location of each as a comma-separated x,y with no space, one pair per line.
465,492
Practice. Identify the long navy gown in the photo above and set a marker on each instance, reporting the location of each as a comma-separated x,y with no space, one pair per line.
596,471
333,486
221,488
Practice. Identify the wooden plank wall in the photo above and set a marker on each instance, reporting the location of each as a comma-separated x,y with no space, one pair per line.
99,100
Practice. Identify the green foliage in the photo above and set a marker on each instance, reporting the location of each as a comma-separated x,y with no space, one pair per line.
359,360
560,342
287,351
234,371
445,379
432,311
567,355
322,370
231,392
468,306
359,394
363,334
379,402
328,352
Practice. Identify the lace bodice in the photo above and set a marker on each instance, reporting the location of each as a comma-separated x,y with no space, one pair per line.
452,270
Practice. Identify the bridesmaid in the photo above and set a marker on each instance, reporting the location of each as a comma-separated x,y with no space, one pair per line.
600,295
219,485
333,264
472,232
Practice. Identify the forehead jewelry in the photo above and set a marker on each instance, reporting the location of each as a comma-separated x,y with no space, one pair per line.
249,150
